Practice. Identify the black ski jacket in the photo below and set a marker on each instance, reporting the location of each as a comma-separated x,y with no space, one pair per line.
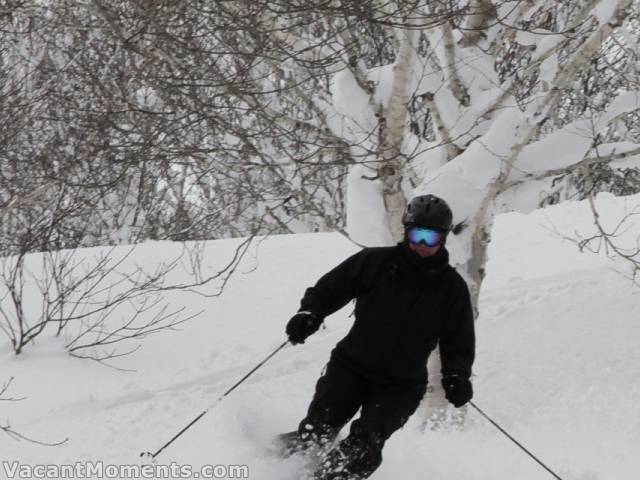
405,305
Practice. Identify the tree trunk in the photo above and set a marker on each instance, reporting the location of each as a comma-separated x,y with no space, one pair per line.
392,132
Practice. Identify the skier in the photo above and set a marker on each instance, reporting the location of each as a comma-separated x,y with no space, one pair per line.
408,299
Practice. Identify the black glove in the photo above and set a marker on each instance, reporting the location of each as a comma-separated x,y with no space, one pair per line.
301,325
457,389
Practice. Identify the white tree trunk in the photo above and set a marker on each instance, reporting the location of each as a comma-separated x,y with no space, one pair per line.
392,133
482,12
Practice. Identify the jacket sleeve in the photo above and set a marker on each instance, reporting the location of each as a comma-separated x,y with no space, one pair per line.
458,342
335,288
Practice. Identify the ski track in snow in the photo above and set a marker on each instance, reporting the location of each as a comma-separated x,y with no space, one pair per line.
557,366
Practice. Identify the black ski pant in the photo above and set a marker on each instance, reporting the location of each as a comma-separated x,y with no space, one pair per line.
340,392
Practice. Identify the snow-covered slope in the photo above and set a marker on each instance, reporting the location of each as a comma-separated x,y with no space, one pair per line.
558,365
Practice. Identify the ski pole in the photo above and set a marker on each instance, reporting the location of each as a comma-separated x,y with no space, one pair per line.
514,441
204,412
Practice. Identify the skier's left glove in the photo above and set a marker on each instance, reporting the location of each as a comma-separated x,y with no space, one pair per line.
457,389
301,325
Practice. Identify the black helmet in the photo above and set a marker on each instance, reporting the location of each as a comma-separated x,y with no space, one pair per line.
428,211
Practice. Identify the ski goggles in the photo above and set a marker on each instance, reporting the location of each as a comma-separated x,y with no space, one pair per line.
428,236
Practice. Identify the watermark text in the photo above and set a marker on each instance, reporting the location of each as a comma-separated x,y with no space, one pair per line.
98,469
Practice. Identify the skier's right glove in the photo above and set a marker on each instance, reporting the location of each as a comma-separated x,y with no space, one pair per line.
301,325
457,389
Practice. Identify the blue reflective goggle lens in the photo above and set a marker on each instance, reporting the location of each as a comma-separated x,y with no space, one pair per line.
429,237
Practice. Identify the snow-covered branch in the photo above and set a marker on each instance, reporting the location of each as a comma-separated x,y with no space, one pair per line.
481,13
451,149
456,85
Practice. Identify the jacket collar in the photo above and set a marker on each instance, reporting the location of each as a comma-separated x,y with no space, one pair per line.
410,262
